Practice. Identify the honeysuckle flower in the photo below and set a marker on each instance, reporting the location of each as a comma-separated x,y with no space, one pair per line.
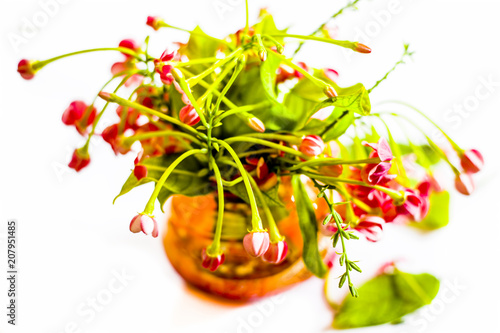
464,184
79,115
80,159
371,227
144,223
381,149
472,161
153,22
189,116
276,252
124,67
362,48
131,118
312,145
25,69
256,243
211,262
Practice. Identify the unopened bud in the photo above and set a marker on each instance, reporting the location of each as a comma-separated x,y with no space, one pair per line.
330,92
361,48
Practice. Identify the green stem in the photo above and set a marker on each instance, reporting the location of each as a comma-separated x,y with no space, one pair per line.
256,220
257,152
333,161
113,98
148,210
214,248
401,61
273,136
343,43
247,25
266,143
40,64
455,146
239,67
243,109
179,77
149,135
194,62
193,81
274,234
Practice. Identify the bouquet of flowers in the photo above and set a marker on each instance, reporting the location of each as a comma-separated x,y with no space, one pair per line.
239,119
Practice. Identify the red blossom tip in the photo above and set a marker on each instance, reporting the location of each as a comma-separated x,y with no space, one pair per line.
362,48
25,69
80,159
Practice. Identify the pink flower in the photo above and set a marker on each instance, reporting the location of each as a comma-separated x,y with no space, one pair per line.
312,145
153,22
371,227
125,66
464,184
276,252
331,74
256,243
412,205
80,115
25,69
210,262
472,161
110,135
189,116
79,160
378,173
144,223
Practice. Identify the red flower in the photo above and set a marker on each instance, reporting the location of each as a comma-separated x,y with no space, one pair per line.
144,223
312,145
211,262
153,22
256,243
140,171
79,160
371,227
472,161
412,205
25,69
276,252
464,184
189,116
111,136
129,44
80,115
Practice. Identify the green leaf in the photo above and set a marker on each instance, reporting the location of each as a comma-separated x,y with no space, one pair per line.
386,299
439,212
309,229
268,74
268,26
271,196
200,45
177,183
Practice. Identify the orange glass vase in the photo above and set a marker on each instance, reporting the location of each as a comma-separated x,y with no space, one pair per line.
241,277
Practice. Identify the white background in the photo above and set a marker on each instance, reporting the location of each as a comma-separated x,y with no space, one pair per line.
73,240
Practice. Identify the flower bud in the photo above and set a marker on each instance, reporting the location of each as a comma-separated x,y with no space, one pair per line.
211,262
276,252
26,70
331,170
256,243
80,159
312,145
153,22
144,223
129,44
472,161
140,171
256,124
464,184
361,48
330,92
188,115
